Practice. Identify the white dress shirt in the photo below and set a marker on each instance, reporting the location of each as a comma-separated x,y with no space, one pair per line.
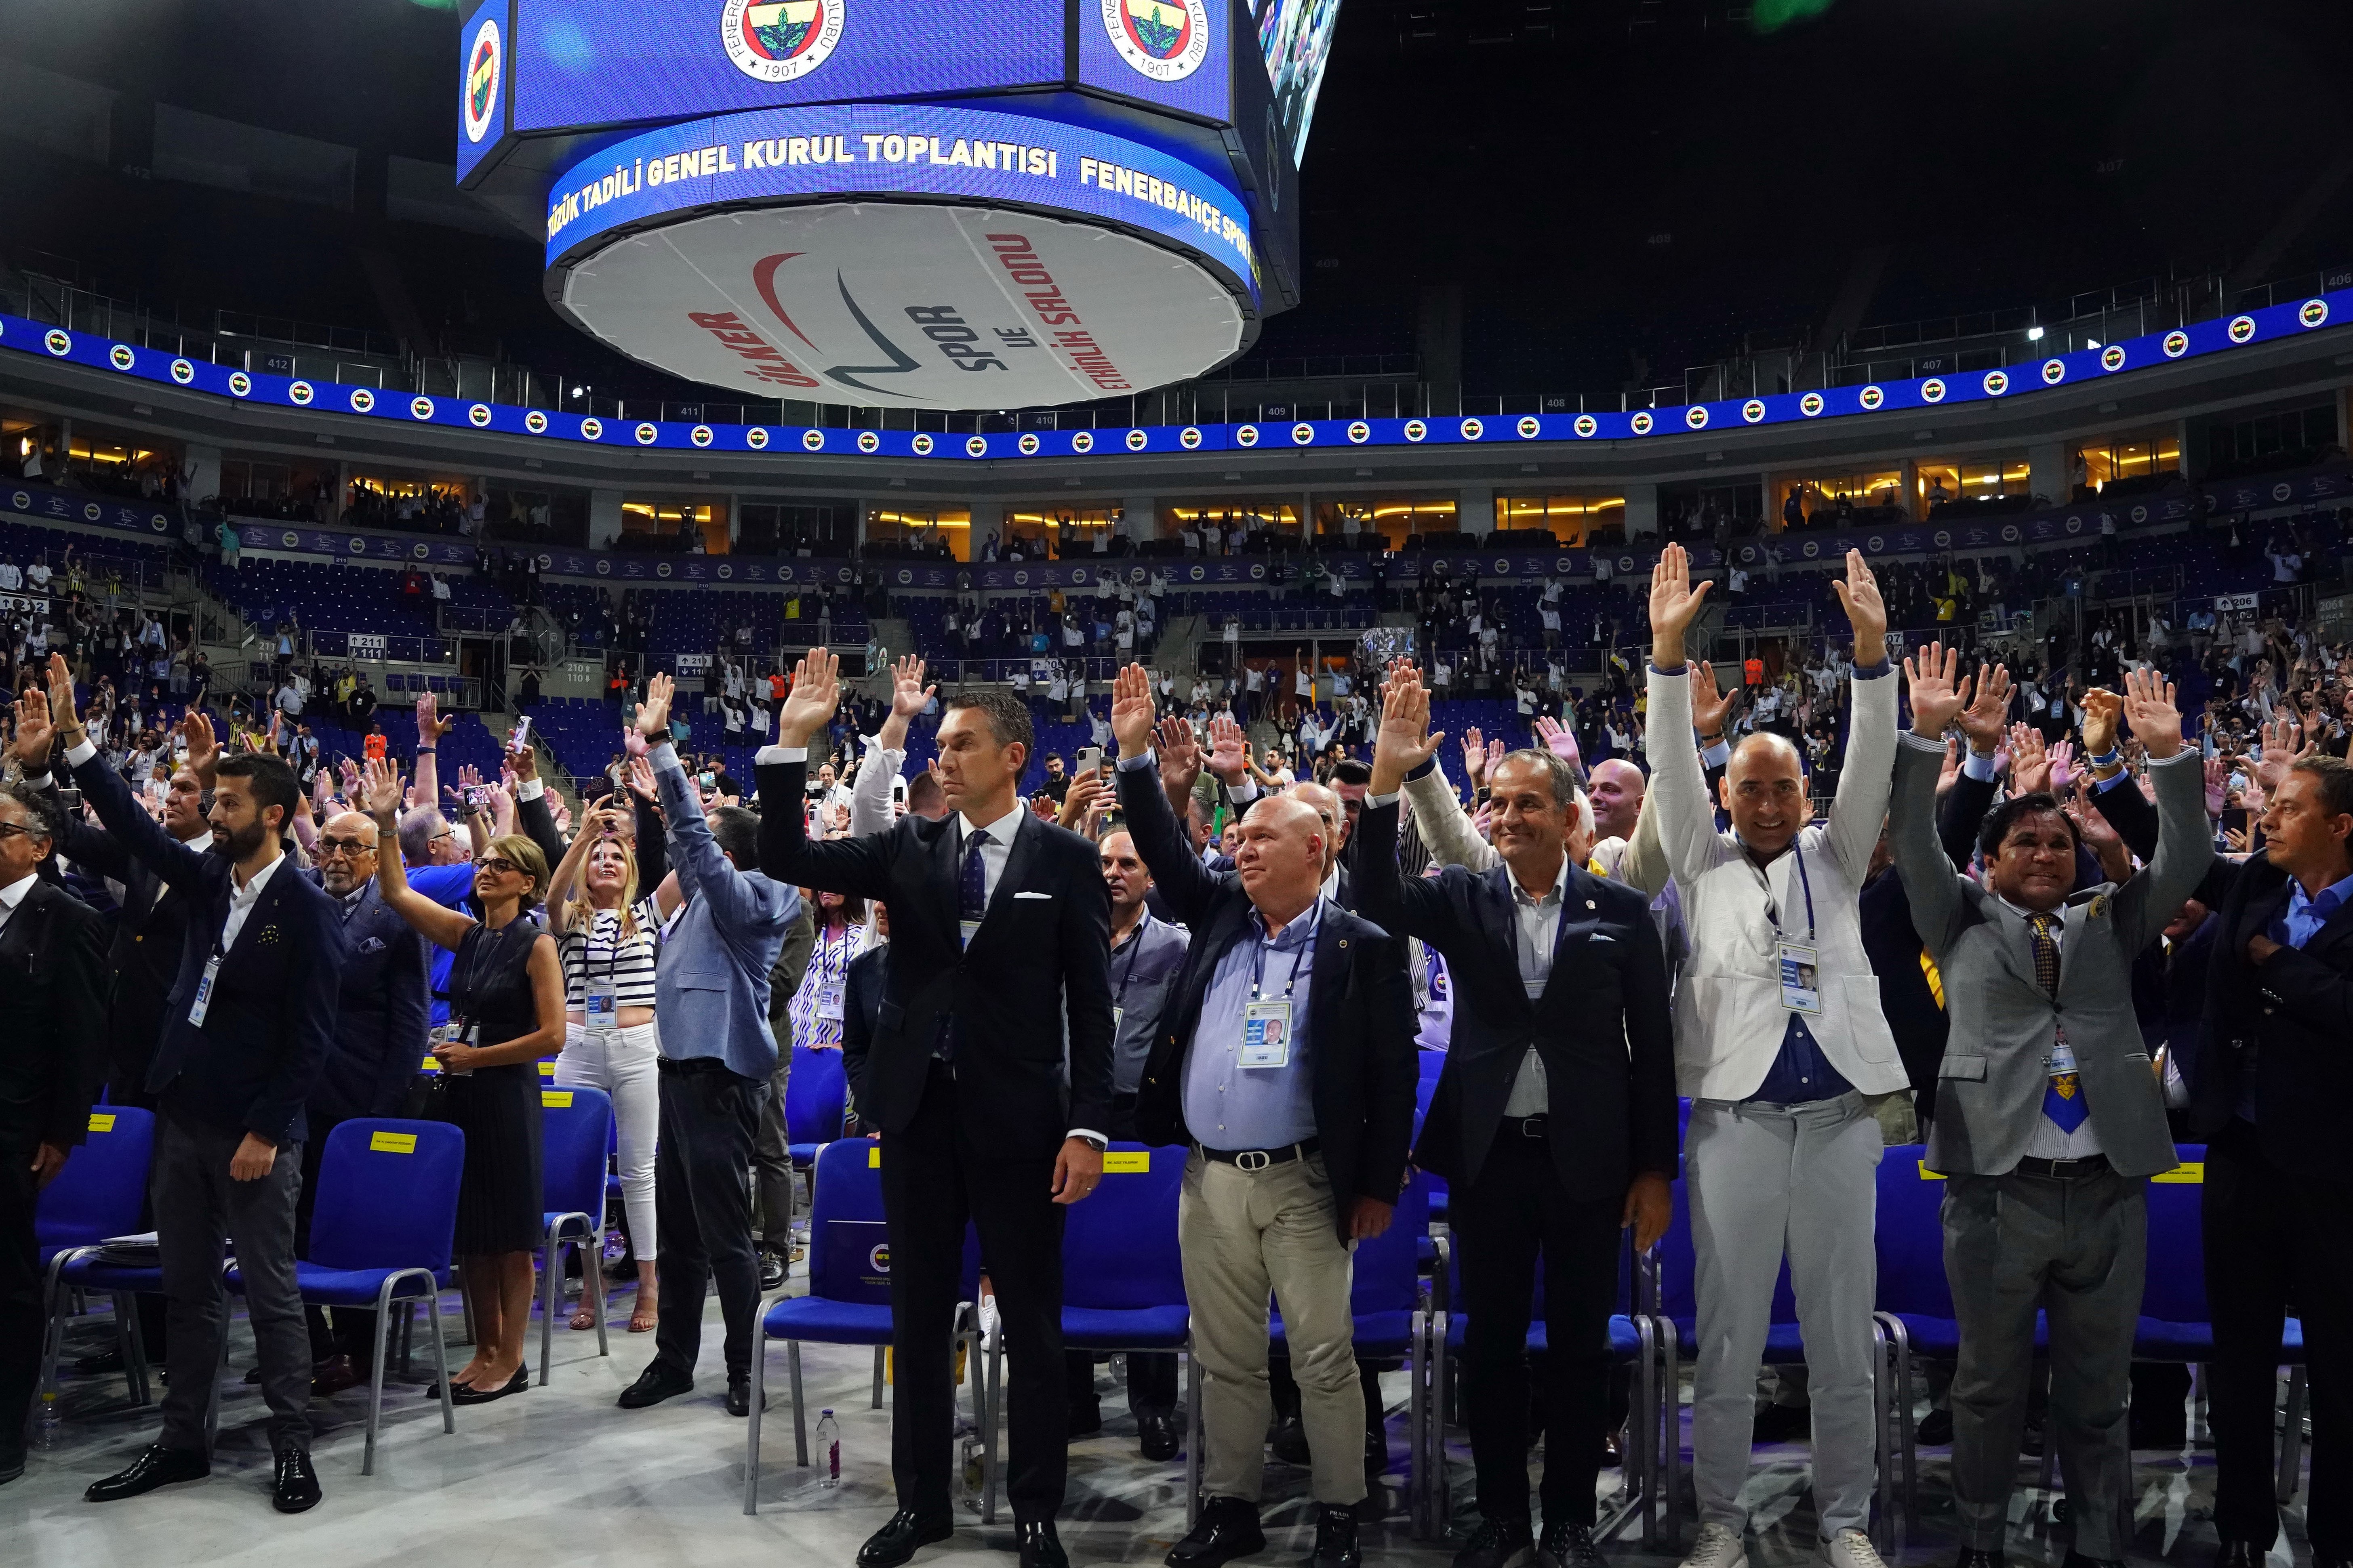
1536,927
14,894
241,900
2051,1141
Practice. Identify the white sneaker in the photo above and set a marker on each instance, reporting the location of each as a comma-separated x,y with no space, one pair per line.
1850,1549
1717,1546
988,1322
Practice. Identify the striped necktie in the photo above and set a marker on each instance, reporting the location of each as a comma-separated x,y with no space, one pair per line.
2062,1097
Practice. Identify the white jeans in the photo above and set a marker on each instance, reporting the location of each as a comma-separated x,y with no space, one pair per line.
622,1062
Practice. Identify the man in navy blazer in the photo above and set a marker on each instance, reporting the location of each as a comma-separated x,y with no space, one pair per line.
380,1026
248,1024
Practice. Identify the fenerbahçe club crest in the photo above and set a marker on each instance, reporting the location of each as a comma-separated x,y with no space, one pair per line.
1164,39
780,40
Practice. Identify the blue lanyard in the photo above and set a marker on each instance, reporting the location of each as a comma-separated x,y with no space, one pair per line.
1808,883
1258,956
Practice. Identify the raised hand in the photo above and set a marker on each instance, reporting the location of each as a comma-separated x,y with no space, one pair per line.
1866,612
1981,721
1675,604
33,733
1403,742
1561,740
816,693
61,702
2217,785
1083,795
383,793
1929,680
2030,761
2282,747
2062,765
639,775
632,743
429,730
1180,755
653,713
1132,710
2149,709
1229,757
1474,755
1710,708
909,695
2103,710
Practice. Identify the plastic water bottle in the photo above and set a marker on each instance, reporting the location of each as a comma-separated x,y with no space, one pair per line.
829,1442
50,1429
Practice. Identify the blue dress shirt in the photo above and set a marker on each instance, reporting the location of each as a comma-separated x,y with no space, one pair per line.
1226,1105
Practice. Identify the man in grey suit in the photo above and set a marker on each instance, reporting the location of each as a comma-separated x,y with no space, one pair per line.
718,1053
2050,1117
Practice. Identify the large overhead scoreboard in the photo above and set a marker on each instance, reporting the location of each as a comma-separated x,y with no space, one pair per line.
904,205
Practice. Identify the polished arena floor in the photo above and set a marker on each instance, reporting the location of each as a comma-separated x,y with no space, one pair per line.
560,1475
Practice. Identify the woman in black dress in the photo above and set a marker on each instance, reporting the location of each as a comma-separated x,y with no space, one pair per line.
506,1013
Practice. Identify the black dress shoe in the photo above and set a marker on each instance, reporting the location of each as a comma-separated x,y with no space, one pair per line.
252,1375
334,1374
1567,1546
12,1465
896,1541
1376,1455
1040,1547
1936,1429
1160,1436
659,1381
100,1364
739,1396
474,1394
772,1271
1783,1424
1085,1418
1498,1543
295,1485
157,1467
2232,1553
1977,1557
1290,1442
1229,1529
1335,1538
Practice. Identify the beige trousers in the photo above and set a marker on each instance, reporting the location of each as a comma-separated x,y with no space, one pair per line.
1245,1234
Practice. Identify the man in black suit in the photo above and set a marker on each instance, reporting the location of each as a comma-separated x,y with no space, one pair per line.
52,1021
1000,931
379,1041
1553,1120
2268,1089
250,1023
1285,1059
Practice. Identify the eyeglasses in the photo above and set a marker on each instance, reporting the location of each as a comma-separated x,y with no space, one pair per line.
11,830
352,846
498,864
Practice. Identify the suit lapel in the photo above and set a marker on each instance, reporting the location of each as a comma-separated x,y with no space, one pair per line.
261,918
1498,915
1023,850
1327,977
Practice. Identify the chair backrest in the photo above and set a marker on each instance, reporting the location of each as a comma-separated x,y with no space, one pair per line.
2175,1290
576,1132
1909,1236
815,1097
99,1193
387,1195
1388,1277
849,1258
1119,1247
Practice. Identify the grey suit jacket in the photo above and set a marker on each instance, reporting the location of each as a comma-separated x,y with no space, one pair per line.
1989,1086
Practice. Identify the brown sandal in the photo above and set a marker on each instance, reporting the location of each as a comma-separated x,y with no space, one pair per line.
584,1320
645,1317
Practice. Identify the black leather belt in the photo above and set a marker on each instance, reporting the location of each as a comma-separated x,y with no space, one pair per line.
2063,1170
1523,1126
1259,1159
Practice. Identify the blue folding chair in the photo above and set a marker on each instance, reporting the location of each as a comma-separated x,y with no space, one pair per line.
1915,1312
1633,1340
1122,1289
816,1093
849,1299
1392,1310
99,1194
381,1233
577,1129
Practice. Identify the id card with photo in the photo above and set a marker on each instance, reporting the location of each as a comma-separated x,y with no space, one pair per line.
1802,984
1266,1034
602,1002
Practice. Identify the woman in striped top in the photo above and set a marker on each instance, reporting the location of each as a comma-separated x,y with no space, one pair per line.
606,935
816,1003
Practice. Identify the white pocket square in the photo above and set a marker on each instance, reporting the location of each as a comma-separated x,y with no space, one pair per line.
1026,895
1601,936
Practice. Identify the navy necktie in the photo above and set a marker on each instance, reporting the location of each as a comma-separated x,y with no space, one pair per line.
975,904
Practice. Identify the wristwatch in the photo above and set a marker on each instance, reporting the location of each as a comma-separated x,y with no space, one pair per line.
1097,1144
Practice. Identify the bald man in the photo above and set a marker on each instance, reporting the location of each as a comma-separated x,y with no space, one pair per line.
1285,1060
1334,813
379,1040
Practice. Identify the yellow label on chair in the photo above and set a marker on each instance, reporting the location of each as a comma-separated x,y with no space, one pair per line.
392,1142
102,1122
555,1099
874,1157
432,1064
547,1069
1128,1162
1928,1175
2189,1171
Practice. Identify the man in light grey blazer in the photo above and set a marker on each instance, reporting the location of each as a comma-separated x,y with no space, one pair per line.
2050,1117
718,1052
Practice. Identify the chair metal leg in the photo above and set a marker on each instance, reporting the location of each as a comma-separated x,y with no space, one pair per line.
880,1352
550,1284
53,1334
1441,1414
440,1359
1907,1427
751,1434
592,1285
2291,1449
1417,1458
1673,1484
800,1418
1883,1396
988,1430
1192,1432
136,1362
212,1405
375,1375
1645,1448
408,1334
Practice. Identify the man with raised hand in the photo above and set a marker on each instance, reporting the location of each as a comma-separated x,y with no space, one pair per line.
1779,1042
2049,1117
1284,1060
1554,1118
998,975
